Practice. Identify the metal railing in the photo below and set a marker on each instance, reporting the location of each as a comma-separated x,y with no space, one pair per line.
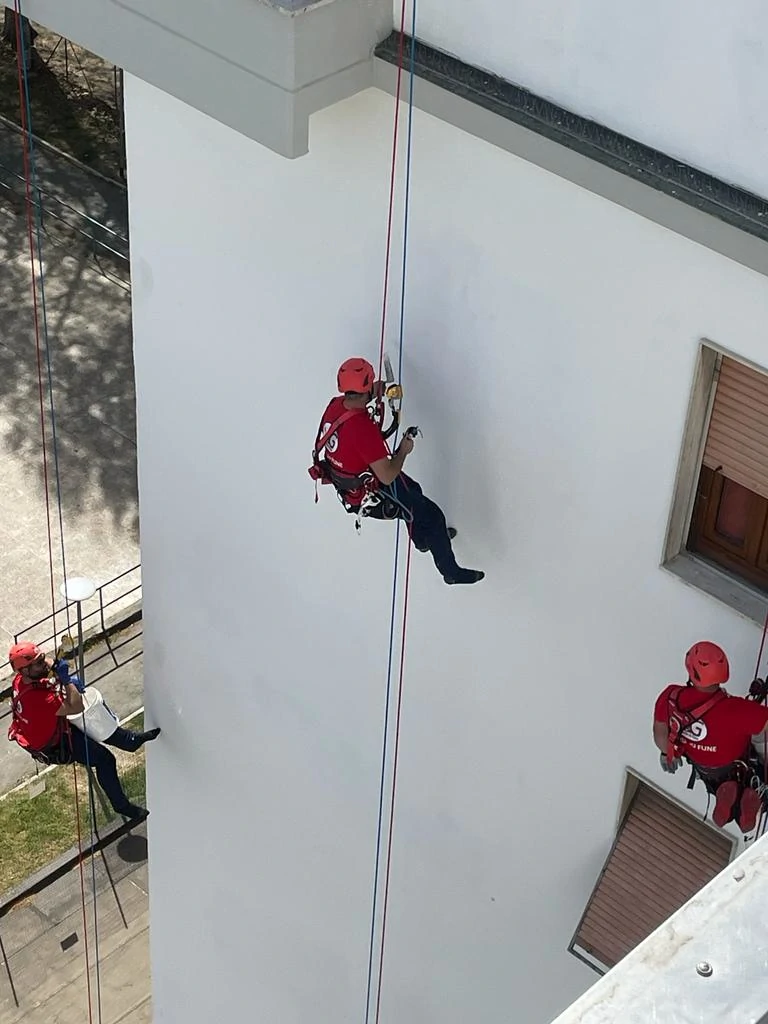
115,243
47,631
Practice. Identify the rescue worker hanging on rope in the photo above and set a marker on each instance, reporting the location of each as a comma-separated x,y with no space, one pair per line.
712,729
368,480
43,696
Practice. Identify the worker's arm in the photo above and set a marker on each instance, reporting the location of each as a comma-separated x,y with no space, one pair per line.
72,703
661,735
387,470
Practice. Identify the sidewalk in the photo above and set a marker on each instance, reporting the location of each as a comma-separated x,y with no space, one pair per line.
89,325
44,943
68,188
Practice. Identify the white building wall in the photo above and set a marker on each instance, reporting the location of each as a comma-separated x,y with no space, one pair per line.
550,344
687,78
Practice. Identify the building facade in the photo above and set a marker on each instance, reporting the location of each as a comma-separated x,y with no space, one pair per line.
569,310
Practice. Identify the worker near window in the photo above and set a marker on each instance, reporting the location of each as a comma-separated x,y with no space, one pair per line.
358,463
40,705
713,730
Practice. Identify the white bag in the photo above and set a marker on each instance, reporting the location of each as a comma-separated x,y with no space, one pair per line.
100,720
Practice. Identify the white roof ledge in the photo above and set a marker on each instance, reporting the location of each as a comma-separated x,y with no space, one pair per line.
260,66
708,962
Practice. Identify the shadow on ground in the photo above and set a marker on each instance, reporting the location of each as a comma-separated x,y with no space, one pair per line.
74,109
89,337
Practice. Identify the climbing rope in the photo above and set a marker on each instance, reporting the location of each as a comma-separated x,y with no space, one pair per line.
392,180
38,310
82,896
42,347
762,820
391,652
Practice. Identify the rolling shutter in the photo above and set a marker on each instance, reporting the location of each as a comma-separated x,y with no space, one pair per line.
660,858
737,441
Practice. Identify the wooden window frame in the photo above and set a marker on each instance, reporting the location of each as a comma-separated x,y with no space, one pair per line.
726,583
704,539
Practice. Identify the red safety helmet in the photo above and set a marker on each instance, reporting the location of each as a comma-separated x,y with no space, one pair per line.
356,375
23,655
707,664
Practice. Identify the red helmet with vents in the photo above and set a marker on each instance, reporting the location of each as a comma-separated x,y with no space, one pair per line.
23,655
707,664
356,375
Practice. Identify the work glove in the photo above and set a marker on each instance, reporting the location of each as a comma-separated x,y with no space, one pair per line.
669,766
61,668
758,689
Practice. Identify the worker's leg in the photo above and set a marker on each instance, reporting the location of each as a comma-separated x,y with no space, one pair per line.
124,739
429,530
104,764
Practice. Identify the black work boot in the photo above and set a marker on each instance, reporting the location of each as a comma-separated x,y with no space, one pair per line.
149,735
133,812
465,576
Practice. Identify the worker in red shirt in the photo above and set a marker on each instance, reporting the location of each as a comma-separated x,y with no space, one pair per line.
713,730
358,463
39,725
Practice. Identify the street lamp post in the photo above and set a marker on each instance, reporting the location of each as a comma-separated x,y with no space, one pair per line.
78,589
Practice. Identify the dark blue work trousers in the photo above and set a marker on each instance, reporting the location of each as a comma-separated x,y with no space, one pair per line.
404,499
103,761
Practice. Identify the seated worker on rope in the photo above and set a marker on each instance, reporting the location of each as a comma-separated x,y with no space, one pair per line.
713,731
368,480
40,706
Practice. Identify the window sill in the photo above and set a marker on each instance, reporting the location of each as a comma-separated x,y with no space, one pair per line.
743,598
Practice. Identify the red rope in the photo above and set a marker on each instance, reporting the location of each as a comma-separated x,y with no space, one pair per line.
391,822
392,180
30,233
406,588
761,818
25,132
82,896
762,647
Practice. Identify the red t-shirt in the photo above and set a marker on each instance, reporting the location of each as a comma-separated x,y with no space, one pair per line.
723,734
356,444
35,722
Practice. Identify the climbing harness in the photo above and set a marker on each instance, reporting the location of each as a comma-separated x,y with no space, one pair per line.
680,720
361,494
747,771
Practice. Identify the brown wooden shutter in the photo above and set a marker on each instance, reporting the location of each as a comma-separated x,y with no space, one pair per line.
661,857
737,442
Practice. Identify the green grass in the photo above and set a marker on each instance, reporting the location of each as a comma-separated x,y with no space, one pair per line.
36,830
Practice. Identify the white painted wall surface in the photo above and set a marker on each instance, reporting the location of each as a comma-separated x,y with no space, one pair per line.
688,78
550,346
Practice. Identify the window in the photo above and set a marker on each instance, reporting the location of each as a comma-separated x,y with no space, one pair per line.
730,515
718,531
661,856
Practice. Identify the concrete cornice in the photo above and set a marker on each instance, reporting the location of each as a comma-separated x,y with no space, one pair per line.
259,67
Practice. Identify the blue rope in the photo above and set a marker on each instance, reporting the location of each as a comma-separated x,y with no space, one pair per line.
39,237
392,620
34,182
407,206
92,802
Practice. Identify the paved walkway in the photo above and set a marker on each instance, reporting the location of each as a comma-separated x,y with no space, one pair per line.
68,189
43,941
89,323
